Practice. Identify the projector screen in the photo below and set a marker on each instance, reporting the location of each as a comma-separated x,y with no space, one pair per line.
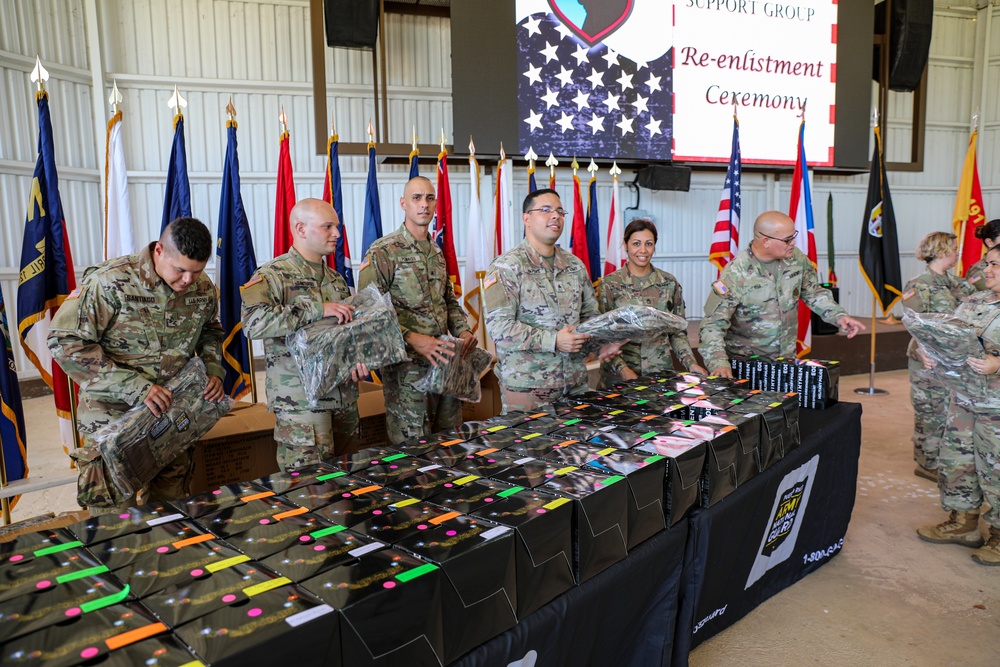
656,81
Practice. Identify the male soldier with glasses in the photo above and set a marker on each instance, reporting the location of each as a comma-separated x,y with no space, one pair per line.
753,306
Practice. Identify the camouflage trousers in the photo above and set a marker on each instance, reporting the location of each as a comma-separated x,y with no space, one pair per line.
410,413
930,410
969,461
310,437
532,398
173,482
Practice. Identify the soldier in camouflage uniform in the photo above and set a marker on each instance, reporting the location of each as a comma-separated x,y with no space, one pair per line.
990,235
969,459
933,291
535,294
132,325
753,306
285,294
641,283
409,265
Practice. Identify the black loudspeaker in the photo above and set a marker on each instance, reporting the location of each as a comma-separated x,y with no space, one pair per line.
664,177
351,23
909,41
820,327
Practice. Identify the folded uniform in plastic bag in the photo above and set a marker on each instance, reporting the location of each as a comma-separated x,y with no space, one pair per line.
950,342
326,351
138,445
459,377
634,323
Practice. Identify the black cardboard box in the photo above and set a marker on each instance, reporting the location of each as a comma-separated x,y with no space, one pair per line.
470,494
479,587
685,466
402,519
429,481
162,538
201,504
361,504
367,457
106,526
25,576
543,524
286,625
319,551
747,428
252,512
162,651
329,489
269,538
390,603
178,564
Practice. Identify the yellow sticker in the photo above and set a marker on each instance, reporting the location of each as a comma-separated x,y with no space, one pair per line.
556,503
465,480
229,562
605,452
567,469
405,503
257,589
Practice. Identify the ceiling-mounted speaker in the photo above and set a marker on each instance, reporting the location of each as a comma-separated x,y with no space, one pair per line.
664,177
909,41
351,24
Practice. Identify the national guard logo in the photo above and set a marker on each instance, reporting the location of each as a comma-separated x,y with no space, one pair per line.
777,543
720,288
182,422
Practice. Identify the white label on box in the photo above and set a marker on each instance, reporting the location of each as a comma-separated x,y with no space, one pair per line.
368,548
426,468
521,462
494,532
295,620
164,519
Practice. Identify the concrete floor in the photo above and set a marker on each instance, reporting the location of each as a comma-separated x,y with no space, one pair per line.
887,599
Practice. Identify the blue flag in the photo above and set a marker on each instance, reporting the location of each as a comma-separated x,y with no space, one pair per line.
532,184
593,231
177,198
414,167
15,457
236,266
46,277
373,211
342,255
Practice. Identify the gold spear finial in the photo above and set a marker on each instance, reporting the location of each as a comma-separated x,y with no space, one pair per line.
503,155
575,165
371,133
115,98
39,75
231,111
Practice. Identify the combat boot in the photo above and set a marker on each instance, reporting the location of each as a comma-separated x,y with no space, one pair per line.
960,528
989,553
926,473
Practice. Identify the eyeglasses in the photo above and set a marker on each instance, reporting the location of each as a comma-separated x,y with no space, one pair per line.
787,240
548,210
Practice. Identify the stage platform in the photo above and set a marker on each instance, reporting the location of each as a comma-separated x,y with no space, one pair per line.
854,354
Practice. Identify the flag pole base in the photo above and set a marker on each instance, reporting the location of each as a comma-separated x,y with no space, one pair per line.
871,391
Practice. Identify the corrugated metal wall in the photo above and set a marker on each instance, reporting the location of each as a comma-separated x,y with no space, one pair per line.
257,52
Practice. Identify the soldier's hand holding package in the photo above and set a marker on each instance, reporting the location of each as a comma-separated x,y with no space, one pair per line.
360,372
471,342
989,365
342,311
850,326
159,399
433,349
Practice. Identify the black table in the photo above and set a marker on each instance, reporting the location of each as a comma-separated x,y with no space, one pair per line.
694,580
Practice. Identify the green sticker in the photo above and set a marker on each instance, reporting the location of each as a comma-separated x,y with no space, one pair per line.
59,547
106,601
323,478
416,572
611,480
63,578
510,492
394,457
327,531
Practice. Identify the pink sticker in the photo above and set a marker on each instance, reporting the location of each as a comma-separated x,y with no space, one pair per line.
217,492
122,516
73,611
162,550
295,474
451,533
540,510
448,485
319,547
228,598
488,500
377,512
89,652
304,538
393,467
197,572
44,583
389,584
422,526
264,522
345,495
14,559
255,612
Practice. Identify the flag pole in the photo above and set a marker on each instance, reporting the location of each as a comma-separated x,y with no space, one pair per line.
5,502
253,373
871,390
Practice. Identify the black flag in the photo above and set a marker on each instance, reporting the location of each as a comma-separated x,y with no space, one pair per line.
879,251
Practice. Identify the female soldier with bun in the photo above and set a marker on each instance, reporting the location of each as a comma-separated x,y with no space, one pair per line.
933,291
990,234
641,283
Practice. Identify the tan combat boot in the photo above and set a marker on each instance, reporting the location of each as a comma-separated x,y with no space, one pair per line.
989,553
960,528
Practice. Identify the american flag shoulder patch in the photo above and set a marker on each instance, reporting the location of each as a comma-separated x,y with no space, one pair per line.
720,288
364,263
253,281
74,294
908,294
490,280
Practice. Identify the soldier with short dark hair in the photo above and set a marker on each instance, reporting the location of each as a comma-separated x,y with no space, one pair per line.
132,325
753,306
536,294
285,294
409,266
990,236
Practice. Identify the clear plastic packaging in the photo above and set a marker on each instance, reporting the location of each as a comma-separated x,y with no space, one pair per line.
458,377
326,351
950,342
635,323
136,446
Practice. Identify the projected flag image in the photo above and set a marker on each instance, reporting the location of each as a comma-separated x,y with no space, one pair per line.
595,77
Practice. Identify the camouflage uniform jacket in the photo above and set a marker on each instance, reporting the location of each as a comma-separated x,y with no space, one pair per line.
418,283
284,295
661,291
125,330
749,311
982,311
527,303
974,276
934,293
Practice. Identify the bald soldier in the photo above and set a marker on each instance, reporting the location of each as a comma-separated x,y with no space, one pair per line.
409,265
753,306
284,295
132,325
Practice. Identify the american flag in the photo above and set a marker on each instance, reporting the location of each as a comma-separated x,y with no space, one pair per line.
726,239
578,100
